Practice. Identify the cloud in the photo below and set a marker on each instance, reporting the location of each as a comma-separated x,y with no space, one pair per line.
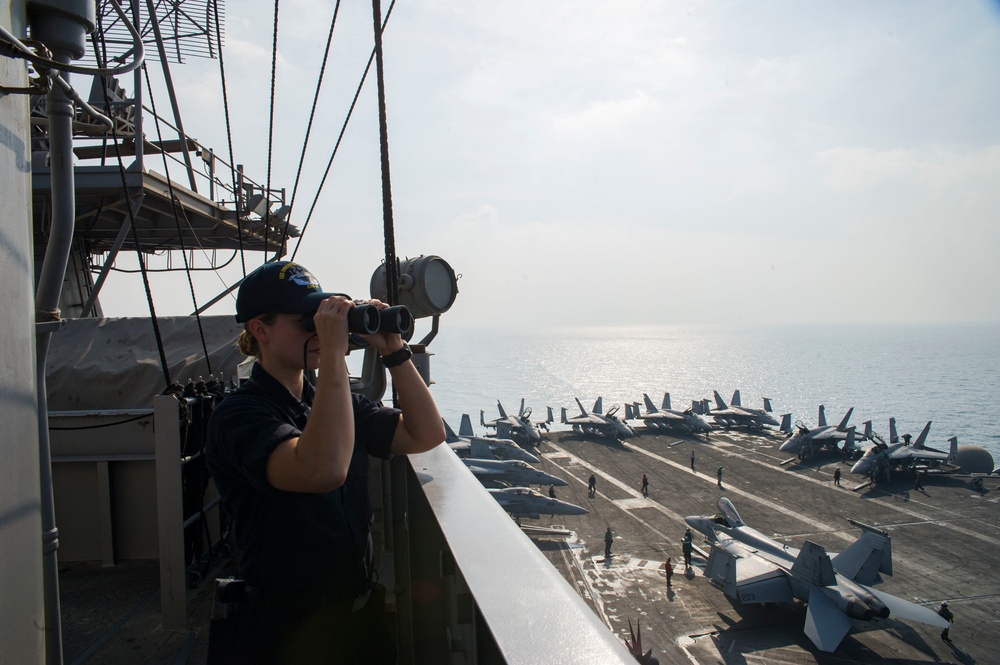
607,119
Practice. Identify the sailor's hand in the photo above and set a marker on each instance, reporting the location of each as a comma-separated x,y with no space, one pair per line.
383,342
331,324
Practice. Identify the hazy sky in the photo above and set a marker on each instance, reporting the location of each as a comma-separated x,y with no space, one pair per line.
638,162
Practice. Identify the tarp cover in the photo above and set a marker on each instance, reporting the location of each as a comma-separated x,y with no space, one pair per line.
114,363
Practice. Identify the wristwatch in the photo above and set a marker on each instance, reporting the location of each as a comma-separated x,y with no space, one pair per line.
397,358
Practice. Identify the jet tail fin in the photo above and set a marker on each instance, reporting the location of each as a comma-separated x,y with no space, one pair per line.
849,441
919,443
767,404
893,436
813,565
847,417
563,418
666,401
868,431
628,411
465,427
503,413
822,416
786,423
583,411
953,451
719,402
449,433
520,411
599,405
736,401
650,407
549,418
868,556
480,450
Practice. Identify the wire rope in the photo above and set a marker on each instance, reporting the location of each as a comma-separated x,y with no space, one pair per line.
237,195
138,251
312,115
340,138
177,221
388,231
270,126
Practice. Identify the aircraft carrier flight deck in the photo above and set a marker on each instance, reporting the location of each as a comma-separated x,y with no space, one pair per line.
945,544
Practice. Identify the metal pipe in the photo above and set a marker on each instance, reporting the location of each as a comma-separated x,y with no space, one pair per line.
60,110
194,519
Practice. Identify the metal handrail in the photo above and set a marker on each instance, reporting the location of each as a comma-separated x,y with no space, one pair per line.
472,550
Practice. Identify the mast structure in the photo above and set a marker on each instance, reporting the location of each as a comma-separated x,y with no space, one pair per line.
122,204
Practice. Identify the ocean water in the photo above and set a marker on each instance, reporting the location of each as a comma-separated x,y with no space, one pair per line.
949,374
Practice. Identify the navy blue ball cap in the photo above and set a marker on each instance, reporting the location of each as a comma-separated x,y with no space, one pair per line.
282,287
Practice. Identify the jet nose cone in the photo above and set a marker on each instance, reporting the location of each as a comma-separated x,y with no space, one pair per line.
788,446
861,466
558,482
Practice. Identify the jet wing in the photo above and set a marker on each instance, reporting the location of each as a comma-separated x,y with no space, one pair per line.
826,624
760,582
483,471
907,452
741,412
585,420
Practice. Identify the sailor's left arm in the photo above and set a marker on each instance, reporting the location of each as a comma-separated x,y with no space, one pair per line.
420,426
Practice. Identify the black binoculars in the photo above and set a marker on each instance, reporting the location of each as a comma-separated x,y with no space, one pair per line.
366,319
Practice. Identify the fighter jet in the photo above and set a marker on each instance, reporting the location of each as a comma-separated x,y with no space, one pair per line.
756,569
466,444
807,442
511,472
598,424
881,459
737,415
524,502
521,428
666,418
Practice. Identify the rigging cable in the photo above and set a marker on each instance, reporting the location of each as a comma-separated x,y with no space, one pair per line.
391,269
135,237
270,128
237,195
340,137
177,221
312,115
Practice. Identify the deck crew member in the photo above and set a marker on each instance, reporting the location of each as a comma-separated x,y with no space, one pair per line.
290,460
946,614
686,547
